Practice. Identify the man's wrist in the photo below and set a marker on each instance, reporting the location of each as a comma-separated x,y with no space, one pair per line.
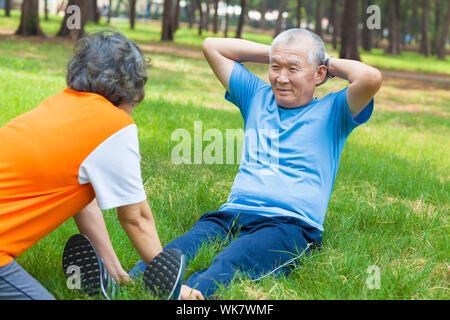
327,63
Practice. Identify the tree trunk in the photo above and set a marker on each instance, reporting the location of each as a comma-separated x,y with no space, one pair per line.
281,10
132,4
191,14
393,37
318,29
29,19
167,25
444,35
298,13
216,17
366,34
425,44
412,26
206,17
109,11
91,11
349,31
227,20
241,19
73,32
46,10
200,25
334,23
176,16
437,24
116,12
7,8
334,17
263,10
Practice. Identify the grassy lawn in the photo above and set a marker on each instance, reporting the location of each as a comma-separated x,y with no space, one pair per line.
389,207
148,33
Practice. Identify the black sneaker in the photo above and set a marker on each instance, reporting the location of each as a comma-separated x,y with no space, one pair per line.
164,274
95,280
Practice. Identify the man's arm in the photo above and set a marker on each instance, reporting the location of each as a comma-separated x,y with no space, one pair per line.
90,222
139,225
365,81
222,53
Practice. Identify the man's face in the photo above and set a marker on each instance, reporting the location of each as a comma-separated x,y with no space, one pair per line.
292,77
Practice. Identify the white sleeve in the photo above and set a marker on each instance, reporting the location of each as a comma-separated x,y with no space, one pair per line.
114,170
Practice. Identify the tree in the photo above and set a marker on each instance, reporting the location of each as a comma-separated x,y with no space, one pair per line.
74,20
263,10
227,18
46,10
7,8
167,23
318,29
200,25
216,17
425,43
394,34
298,13
278,24
334,23
191,13
444,35
349,31
109,11
132,4
366,34
241,19
206,16
176,16
92,12
29,19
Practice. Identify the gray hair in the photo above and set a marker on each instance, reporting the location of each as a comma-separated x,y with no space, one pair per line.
109,64
317,51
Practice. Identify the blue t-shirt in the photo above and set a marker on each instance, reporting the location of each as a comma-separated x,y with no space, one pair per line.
290,157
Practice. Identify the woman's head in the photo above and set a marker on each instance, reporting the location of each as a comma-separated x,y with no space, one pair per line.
109,64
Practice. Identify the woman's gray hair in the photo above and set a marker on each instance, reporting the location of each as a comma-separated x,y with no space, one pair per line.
317,51
109,64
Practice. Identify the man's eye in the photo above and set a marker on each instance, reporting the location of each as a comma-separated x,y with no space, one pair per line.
275,66
293,69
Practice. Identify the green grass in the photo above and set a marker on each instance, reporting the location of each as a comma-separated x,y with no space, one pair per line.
150,33
389,207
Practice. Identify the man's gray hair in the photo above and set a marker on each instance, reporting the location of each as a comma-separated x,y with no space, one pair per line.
109,64
317,51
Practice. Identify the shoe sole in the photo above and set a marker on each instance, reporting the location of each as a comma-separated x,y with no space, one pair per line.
164,273
80,252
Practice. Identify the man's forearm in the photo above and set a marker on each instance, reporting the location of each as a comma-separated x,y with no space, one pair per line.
365,81
238,49
352,70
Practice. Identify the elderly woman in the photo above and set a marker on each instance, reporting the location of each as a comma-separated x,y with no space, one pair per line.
77,152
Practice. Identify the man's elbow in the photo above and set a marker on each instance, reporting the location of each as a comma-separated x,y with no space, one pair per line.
207,44
374,79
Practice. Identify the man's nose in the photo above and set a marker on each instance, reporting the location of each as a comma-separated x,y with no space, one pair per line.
283,78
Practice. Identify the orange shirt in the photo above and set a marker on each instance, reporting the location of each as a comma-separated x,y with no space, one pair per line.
41,152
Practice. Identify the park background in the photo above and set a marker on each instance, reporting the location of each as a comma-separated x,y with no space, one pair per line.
390,203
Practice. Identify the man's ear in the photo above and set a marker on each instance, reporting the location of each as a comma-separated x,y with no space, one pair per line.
321,75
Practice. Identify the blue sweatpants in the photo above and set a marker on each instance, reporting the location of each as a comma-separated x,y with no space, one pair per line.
260,245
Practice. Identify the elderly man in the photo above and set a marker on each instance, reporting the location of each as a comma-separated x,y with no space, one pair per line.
76,149
293,143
